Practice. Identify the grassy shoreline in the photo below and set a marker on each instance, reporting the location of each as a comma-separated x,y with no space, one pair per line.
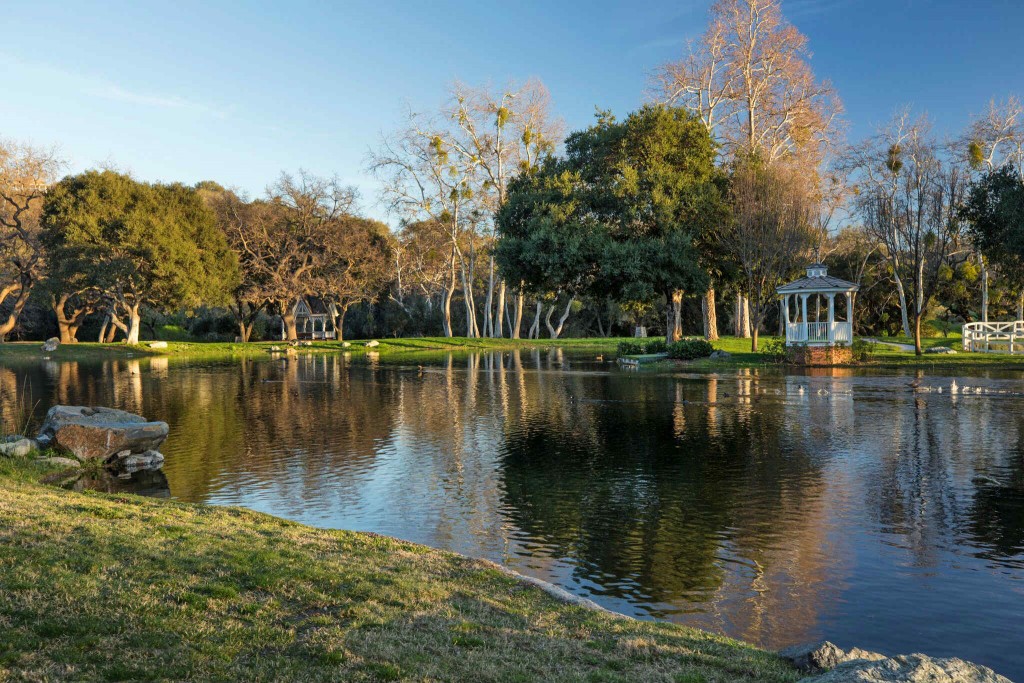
881,355
116,587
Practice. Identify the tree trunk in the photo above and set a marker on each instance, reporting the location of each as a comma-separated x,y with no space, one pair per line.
67,329
742,316
753,338
244,330
12,318
905,319
499,331
1020,306
517,323
709,315
488,306
134,324
291,332
103,329
535,327
984,288
917,334
555,331
472,328
446,301
674,331
67,326
339,323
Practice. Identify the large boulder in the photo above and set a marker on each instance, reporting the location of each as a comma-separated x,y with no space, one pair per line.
828,663
158,345
51,344
100,433
822,656
915,668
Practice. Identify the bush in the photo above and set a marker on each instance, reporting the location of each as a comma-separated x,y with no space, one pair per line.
656,346
641,347
775,350
863,349
690,349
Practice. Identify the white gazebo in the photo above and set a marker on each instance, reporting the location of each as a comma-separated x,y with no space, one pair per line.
809,309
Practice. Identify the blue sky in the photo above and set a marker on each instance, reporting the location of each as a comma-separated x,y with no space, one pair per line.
236,92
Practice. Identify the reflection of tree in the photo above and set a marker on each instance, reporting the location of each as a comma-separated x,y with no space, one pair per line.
995,520
668,504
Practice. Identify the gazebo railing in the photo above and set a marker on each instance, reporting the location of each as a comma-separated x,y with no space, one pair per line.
819,333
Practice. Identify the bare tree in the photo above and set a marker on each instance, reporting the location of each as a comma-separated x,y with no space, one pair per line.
772,233
993,140
357,265
25,173
426,180
282,242
909,199
500,134
749,80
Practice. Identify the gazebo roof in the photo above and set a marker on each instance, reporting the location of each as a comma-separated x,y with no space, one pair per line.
817,280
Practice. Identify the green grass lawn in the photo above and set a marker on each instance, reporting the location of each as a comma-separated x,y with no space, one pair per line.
96,587
387,346
423,347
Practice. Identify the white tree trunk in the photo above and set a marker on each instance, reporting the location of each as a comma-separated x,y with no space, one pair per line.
517,323
984,288
499,329
555,331
903,304
535,327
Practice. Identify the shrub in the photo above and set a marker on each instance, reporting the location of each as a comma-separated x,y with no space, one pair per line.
642,346
775,350
862,350
629,348
690,349
656,346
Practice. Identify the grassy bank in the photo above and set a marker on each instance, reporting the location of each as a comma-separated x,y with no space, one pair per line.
880,355
389,347
109,588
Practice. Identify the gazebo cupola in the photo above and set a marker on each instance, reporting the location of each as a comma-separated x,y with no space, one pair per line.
809,309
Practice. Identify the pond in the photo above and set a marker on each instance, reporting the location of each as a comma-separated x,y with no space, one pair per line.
777,508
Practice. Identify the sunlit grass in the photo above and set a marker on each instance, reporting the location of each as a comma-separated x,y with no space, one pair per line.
99,588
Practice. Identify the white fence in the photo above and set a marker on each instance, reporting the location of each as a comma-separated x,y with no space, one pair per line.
997,337
819,333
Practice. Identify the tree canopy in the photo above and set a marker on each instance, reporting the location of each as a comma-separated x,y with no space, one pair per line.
994,211
628,212
138,243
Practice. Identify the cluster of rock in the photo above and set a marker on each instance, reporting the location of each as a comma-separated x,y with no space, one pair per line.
112,437
827,663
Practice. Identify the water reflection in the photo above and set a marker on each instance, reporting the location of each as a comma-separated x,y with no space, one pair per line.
152,483
776,508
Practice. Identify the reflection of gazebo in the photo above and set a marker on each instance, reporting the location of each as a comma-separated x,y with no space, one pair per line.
805,326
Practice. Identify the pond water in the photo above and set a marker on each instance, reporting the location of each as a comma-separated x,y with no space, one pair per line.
777,508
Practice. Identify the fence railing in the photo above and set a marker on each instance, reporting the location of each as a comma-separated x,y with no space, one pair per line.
1006,337
819,333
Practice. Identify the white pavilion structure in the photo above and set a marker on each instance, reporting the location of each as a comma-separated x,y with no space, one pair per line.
809,309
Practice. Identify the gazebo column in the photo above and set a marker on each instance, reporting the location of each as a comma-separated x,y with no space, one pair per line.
849,313
831,317
785,317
